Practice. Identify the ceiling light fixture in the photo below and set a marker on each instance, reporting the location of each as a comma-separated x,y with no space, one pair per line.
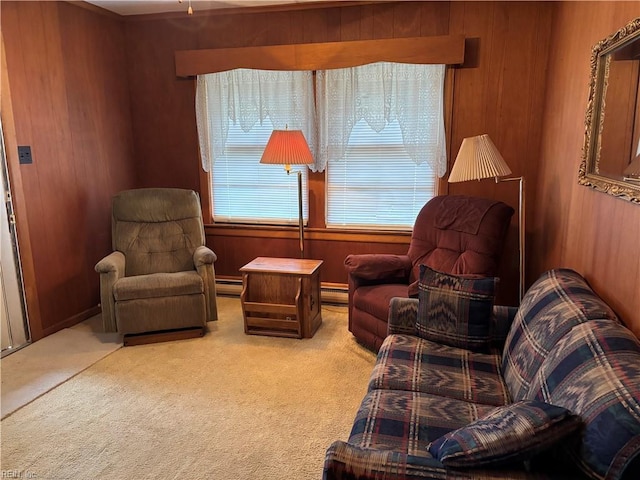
189,10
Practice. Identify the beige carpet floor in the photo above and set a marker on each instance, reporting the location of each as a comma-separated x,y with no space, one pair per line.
37,368
226,406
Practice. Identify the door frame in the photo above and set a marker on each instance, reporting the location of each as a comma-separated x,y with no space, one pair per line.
14,308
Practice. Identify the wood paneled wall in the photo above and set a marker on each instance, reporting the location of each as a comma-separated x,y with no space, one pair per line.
574,226
97,99
70,100
499,91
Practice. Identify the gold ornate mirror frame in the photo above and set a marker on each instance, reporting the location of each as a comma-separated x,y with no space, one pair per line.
594,170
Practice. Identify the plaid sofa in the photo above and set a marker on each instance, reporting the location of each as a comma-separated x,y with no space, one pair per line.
563,346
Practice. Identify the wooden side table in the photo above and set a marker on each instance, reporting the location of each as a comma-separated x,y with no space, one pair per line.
281,297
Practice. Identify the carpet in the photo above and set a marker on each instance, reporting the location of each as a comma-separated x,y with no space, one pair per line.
45,364
225,406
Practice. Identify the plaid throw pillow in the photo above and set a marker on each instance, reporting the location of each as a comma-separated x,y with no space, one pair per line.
455,310
508,434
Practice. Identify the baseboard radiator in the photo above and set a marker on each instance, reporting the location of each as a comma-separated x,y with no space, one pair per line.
331,293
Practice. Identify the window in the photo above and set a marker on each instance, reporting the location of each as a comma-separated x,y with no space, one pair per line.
236,112
381,138
377,185
246,191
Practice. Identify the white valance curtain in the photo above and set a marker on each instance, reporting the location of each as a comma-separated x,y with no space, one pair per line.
380,93
245,97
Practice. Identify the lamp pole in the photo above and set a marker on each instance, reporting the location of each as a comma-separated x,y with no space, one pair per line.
300,215
521,232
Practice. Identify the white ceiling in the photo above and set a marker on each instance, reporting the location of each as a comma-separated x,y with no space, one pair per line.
141,7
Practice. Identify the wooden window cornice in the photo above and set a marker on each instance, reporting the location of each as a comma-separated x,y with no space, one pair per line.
443,49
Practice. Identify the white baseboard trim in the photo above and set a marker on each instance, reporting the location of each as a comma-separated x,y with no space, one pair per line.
329,293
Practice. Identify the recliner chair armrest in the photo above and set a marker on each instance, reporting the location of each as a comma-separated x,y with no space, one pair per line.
378,266
203,259
114,262
203,256
403,315
111,268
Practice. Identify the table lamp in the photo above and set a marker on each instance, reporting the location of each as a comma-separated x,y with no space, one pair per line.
289,147
479,158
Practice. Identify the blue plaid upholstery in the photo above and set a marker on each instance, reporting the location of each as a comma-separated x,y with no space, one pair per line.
558,301
409,421
403,315
507,435
390,439
594,371
347,461
406,362
564,346
455,309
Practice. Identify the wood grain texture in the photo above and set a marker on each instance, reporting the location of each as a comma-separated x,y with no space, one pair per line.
235,249
71,105
281,297
574,226
438,49
500,92
19,202
98,100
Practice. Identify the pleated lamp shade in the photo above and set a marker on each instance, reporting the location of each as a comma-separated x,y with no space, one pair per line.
287,147
478,158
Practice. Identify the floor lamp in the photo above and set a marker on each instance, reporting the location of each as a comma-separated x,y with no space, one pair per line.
479,158
289,147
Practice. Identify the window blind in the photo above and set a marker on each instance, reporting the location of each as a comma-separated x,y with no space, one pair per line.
246,191
377,185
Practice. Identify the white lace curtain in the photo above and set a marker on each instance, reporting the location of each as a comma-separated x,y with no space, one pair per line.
245,97
380,93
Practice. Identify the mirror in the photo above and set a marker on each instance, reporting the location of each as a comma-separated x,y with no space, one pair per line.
611,153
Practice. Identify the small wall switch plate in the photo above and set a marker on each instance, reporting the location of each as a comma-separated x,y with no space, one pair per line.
24,154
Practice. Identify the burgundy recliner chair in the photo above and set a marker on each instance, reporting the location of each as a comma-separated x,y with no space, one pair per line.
453,233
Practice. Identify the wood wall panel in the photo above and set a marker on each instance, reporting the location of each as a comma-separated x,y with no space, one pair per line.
71,105
98,100
162,106
500,93
383,21
434,18
350,24
240,250
574,226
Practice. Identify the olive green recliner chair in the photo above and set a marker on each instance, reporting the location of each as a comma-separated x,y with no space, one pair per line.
159,283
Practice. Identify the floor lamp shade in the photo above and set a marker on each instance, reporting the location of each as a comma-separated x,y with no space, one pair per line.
289,147
479,158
